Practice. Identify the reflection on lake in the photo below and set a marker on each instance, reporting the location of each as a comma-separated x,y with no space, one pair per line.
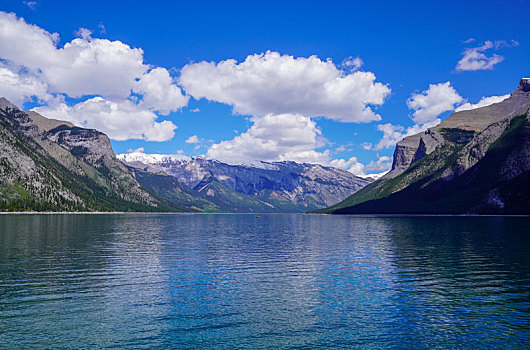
279,281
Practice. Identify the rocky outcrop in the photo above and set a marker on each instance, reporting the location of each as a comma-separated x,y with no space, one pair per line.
89,145
524,86
413,148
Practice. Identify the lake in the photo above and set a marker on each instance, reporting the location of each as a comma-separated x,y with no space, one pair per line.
275,281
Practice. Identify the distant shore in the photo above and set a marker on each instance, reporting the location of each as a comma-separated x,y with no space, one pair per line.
202,213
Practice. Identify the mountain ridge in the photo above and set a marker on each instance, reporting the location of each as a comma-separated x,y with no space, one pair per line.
434,182
286,186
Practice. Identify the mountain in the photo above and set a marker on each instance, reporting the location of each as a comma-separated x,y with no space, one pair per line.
256,187
474,162
47,164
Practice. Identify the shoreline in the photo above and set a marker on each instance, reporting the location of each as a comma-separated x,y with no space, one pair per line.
187,213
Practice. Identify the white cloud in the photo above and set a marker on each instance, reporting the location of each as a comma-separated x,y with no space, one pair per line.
274,137
159,92
19,87
119,120
391,135
352,165
353,63
192,139
87,67
84,33
340,149
271,83
280,137
484,101
429,104
31,4
383,164
366,146
84,66
475,59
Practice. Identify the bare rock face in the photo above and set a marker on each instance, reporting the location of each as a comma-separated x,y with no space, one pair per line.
412,149
87,144
415,147
524,86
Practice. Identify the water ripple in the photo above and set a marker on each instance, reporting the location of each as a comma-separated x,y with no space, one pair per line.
283,281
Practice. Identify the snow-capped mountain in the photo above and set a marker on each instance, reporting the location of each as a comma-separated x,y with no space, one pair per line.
284,186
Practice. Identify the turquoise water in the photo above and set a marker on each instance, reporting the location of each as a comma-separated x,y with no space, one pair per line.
278,281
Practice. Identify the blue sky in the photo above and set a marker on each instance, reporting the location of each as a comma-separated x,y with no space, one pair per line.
407,47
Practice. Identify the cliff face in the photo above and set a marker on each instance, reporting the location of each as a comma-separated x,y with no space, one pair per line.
47,164
474,168
469,121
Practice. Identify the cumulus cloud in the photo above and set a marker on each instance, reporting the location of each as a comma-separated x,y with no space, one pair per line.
84,66
366,146
352,165
87,67
353,63
120,120
280,137
19,87
391,135
271,83
382,164
160,92
429,104
274,137
475,58
84,33
484,101
192,139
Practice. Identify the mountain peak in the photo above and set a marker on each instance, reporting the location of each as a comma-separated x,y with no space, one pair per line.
524,85
4,103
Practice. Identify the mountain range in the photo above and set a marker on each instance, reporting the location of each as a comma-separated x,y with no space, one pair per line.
474,162
52,165
256,187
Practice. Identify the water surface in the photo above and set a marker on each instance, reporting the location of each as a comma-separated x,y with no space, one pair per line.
278,281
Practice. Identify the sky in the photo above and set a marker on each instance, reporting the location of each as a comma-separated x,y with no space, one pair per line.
336,83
